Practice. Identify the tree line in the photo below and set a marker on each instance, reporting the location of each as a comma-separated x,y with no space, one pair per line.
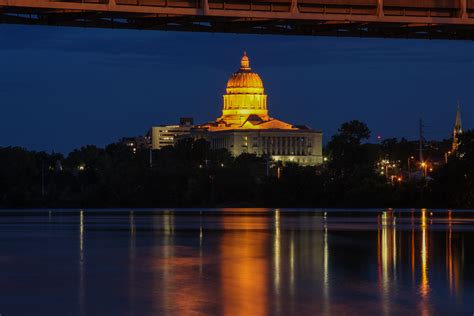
190,174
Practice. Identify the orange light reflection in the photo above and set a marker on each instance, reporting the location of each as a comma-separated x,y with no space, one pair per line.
424,284
244,267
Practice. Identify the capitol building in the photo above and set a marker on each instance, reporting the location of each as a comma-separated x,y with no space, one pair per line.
245,125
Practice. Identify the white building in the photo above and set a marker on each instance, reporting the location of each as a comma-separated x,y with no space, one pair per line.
165,135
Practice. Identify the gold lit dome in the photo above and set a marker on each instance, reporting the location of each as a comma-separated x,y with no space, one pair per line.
244,81
245,105
244,96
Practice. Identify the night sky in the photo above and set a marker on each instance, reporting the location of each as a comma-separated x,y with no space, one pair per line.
62,88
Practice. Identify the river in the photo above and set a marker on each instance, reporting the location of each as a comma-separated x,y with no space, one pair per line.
236,262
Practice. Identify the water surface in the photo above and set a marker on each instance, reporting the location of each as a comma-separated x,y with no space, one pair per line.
236,262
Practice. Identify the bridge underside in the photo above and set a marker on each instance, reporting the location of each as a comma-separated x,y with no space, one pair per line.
423,19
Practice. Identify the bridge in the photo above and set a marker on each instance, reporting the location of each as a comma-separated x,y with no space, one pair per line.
423,19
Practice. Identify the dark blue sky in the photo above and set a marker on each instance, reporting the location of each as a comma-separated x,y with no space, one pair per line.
61,88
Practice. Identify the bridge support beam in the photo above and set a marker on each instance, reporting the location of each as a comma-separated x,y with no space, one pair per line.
294,7
463,9
380,8
205,6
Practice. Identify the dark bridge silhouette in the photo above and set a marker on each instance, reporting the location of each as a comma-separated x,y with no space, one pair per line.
426,19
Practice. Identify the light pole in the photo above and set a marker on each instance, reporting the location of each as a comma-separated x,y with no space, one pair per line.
409,159
446,156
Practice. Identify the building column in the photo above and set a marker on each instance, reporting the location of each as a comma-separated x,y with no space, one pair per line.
303,146
297,146
278,145
264,145
272,145
267,145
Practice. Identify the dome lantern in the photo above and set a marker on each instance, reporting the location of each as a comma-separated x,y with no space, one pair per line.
245,62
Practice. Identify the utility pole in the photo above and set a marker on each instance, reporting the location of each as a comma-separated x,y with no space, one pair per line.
42,179
421,141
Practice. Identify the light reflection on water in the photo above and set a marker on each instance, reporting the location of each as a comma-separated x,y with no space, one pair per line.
237,262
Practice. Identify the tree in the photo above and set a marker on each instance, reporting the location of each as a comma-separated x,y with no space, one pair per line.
454,184
353,132
346,150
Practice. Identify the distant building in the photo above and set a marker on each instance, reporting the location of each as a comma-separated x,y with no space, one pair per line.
246,127
457,130
165,135
136,143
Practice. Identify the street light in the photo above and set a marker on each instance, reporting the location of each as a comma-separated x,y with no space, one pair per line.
446,156
424,165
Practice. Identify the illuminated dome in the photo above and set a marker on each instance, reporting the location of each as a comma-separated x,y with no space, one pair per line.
245,104
244,80
245,95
